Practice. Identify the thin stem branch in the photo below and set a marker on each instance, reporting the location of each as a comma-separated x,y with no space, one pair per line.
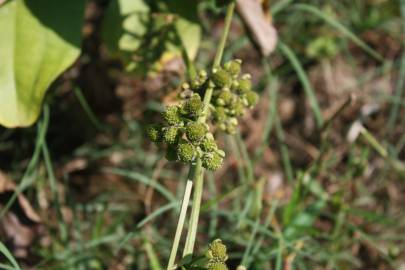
195,211
180,224
199,173
228,19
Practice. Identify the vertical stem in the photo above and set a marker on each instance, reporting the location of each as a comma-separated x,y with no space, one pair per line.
199,173
195,212
228,19
180,224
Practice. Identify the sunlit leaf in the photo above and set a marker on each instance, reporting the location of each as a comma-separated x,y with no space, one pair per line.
39,40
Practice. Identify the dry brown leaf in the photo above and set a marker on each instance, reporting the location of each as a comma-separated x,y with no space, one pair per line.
23,206
262,31
19,222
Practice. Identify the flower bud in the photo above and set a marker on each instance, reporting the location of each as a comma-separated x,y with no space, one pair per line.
237,108
224,98
212,161
171,135
218,250
220,114
154,132
193,106
245,85
196,131
217,266
185,151
252,98
172,115
208,144
233,67
221,78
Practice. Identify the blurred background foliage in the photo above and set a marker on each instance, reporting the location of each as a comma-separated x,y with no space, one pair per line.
314,179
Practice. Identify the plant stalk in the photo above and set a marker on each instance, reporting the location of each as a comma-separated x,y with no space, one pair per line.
180,224
199,174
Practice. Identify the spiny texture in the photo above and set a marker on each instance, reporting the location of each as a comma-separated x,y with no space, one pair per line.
185,135
217,256
233,94
196,131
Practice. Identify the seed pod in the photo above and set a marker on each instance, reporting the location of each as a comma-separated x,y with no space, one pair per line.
221,78
220,114
217,266
237,108
233,67
185,151
245,85
172,115
224,98
154,132
193,106
218,250
252,98
231,127
171,135
212,161
208,144
196,131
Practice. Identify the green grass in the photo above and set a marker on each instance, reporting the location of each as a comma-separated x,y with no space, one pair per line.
342,209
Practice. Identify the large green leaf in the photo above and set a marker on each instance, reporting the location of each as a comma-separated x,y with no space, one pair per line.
39,40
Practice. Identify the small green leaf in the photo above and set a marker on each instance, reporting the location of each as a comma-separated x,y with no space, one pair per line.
187,25
124,25
39,40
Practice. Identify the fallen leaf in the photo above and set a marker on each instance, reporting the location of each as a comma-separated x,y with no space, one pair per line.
262,31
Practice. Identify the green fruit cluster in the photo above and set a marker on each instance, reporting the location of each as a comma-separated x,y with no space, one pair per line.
217,256
233,94
185,137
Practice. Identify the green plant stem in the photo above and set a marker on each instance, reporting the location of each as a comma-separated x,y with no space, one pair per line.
199,171
228,19
180,224
195,210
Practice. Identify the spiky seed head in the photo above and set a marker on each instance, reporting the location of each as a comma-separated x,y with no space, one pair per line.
233,67
252,98
245,85
196,131
185,151
224,98
217,266
220,114
208,144
193,106
154,132
171,135
202,74
221,78
220,152
212,161
230,128
237,108
171,153
172,115
218,250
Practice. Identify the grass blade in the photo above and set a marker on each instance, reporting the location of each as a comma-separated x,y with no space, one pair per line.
340,27
302,76
7,254
144,180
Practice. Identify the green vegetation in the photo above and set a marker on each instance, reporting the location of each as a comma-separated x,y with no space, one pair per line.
157,135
